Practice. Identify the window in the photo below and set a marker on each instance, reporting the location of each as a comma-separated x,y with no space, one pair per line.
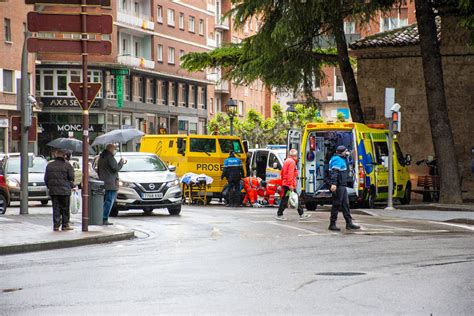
191,24
138,89
230,144
182,94
61,82
126,89
125,46
201,27
110,87
149,91
137,49
193,128
201,98
181,54
172,94
8,80
339,83
192,96
273,159
159,53
349,27
395,19
159,14
381,150
137,8
170,55
401,159
218,39
202,145
8,30
124,4
241,108
211,105
182,126
48,79
171,17
181,21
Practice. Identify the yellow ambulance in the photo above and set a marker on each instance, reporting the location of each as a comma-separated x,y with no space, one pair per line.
197,154
367,163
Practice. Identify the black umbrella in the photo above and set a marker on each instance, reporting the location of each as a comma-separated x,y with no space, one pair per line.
72,144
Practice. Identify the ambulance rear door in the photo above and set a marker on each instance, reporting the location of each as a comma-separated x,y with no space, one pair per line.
294,142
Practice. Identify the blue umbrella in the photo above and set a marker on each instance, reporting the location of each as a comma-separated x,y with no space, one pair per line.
121,136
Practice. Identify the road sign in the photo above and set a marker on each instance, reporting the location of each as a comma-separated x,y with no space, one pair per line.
120,72
119,89
53,22
37,45
104,3
389,101
92,90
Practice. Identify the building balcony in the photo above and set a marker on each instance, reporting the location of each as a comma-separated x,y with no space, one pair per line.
222,86
142,21
222,24
136,62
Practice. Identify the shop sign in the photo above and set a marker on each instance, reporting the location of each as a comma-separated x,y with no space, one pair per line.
4,122
51,127
65,103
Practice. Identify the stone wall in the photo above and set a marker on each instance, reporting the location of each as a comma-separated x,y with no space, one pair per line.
402,70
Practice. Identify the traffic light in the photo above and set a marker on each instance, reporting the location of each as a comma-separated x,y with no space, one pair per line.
396,116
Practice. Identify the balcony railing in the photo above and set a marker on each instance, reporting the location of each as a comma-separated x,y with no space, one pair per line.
222,86
222,23
139,21
136,62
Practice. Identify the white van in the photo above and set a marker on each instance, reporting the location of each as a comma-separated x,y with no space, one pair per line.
266,163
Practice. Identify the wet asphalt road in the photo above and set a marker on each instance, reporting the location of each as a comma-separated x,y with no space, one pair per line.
213,260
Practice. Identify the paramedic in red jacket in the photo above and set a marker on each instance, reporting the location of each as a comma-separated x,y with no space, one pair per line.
251,186
289,174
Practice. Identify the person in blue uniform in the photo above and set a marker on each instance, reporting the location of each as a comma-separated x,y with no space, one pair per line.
233,172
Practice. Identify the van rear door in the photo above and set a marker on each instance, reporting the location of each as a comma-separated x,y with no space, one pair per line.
294,142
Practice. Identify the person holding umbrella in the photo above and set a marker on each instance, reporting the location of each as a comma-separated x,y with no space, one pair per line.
107,169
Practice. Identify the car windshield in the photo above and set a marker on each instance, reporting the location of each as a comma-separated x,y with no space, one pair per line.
36,165
142,163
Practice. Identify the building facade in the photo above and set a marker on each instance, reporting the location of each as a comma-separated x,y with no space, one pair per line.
398,54
11,45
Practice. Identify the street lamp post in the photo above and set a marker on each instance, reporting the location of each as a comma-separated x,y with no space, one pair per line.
231,105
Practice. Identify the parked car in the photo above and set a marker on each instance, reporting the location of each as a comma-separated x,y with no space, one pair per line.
147,183
37,190
4,195
266,163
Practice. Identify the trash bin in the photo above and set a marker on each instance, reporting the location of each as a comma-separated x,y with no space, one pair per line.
96,201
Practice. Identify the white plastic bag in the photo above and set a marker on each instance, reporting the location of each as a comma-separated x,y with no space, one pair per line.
75,203
293,200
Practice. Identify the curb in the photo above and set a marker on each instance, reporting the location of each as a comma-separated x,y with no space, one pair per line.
60,244
433,207
460,221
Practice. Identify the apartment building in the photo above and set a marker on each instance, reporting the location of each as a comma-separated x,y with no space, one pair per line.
255,96
330,91
11,44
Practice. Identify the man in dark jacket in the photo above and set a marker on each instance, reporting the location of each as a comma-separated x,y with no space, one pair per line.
59,178
233,172
339,176
107,169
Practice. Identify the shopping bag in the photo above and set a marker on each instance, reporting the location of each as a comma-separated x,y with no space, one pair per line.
75,203
293,200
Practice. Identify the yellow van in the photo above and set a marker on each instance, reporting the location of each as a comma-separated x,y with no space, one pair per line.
197,154
368,163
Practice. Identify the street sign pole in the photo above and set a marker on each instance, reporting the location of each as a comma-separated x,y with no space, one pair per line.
390,168
24,130
85,122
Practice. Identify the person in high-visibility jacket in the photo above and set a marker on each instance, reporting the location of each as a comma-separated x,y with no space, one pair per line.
272,188
251,187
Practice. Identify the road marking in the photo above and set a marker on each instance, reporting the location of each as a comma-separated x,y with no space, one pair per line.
289,226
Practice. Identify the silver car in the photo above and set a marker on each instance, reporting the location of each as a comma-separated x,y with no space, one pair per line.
147,183
37,190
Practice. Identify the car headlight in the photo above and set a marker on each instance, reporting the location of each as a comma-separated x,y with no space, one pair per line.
13,183
126,184
173,183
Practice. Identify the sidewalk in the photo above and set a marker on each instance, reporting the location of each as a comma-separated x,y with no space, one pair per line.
416,205
27,233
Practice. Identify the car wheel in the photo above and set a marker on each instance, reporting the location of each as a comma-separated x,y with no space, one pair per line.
311,206
407,197
44,202
3,204
174,210
370,200
114,212
148,211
